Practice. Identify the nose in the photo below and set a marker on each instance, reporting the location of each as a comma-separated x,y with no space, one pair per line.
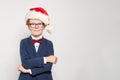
36,26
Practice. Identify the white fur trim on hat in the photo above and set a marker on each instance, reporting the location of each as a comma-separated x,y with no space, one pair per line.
37,15
50,29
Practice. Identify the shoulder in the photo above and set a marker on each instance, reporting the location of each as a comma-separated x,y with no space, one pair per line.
47,41
24,40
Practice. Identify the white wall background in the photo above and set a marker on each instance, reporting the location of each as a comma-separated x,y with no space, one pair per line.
86,40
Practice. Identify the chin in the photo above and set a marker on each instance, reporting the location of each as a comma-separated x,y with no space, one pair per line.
37,34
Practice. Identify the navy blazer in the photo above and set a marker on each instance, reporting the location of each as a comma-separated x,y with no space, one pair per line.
34,60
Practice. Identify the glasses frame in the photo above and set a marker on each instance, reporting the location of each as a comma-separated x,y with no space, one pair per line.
34,25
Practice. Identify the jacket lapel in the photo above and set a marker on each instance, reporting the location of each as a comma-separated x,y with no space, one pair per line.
31,46
41,48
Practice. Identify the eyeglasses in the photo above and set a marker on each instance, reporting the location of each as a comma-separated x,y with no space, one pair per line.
33,25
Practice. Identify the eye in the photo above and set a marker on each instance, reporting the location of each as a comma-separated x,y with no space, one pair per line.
39,24
32,24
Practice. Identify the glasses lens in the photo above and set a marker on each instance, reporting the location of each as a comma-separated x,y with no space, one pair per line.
36,24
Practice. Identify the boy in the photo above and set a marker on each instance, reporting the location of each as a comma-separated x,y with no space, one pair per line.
36,52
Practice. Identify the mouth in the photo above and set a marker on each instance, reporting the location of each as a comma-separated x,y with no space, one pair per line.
37,30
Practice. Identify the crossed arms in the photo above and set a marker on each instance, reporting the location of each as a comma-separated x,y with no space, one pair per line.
49,60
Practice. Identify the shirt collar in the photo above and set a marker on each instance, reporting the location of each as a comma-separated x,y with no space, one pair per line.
40,37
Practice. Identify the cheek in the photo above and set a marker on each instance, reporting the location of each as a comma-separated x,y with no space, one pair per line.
29,28
43,28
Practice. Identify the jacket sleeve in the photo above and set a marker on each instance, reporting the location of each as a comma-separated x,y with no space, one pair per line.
46,67
26,61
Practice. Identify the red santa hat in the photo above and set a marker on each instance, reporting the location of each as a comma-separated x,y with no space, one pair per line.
41,14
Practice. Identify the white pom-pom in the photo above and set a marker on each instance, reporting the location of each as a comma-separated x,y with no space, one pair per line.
50,29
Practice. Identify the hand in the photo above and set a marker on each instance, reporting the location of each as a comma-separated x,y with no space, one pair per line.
51,59
22,69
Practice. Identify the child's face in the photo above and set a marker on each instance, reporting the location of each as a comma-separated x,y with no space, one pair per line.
36,27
